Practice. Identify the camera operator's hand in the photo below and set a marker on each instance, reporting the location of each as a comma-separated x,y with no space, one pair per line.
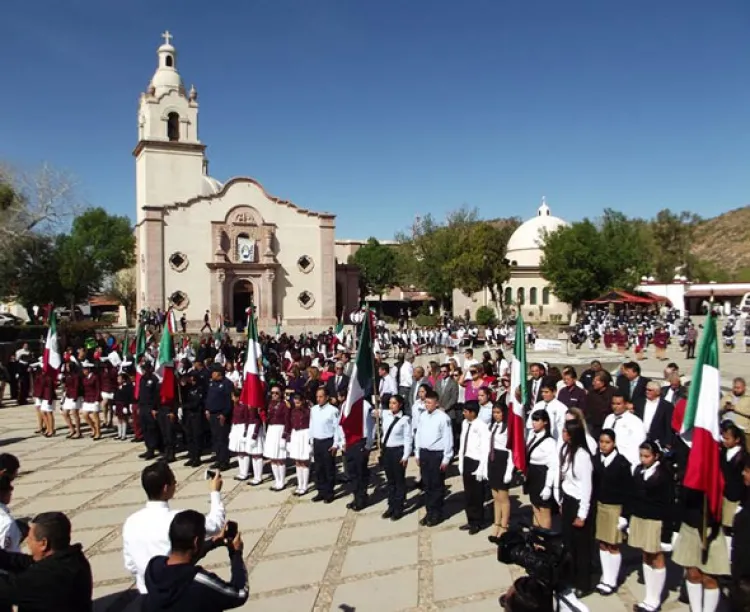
236,545
214,485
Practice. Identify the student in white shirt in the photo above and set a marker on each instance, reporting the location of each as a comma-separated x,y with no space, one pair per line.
541,466
500,468
10,533
628,428
473,453
554,408
146,532
575,494
395,450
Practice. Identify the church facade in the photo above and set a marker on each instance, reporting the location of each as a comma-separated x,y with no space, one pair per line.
203,245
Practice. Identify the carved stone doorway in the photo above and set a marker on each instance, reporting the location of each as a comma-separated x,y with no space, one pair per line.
242,297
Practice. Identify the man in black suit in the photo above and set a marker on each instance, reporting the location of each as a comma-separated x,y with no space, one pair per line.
656,414
674,391
631,384
534,385
587,376
338,382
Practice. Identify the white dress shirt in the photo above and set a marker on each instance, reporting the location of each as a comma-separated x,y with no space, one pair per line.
435,433
324,424
10,534
401,434
556,411
388,385
629,435
544,454
499,440
406,374
485,412
417,408
575,480
649,410
474,444
145,534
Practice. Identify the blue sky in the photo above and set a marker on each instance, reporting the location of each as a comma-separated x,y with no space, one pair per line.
380,110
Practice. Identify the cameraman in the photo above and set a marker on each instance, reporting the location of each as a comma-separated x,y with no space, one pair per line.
530,594
176,582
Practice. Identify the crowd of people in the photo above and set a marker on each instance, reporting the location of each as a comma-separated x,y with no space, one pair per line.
604,452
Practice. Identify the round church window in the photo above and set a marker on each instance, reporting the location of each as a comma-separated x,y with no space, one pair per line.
306,299
178,261
305,264
179,300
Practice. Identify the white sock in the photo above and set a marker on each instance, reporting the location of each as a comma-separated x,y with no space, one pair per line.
604,556
695,596
305,477
711,599
275,472
615,559
257,469
654,579
298,472
728,538
282,475
244,465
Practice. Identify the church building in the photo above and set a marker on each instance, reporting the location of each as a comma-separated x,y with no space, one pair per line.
203,245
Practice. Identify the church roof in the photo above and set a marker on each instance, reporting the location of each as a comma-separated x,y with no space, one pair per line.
528,236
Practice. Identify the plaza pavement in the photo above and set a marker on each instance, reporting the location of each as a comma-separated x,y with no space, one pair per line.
301,556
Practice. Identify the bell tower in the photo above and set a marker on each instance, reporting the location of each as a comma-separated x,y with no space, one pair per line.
169,166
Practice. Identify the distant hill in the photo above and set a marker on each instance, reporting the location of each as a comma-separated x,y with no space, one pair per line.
725,240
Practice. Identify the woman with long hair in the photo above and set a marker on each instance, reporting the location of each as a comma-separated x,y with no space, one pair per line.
613,484
541,462
574,495
500,469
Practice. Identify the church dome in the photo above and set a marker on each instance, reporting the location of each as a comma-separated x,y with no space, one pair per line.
210,186
524,246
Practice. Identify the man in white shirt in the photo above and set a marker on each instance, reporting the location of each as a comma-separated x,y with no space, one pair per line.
406,375
387,385
629,430
146,532
469,360
473,453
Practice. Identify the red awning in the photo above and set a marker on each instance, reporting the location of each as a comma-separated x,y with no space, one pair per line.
623,297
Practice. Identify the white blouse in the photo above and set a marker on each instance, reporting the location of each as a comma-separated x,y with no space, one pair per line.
544,454
576,481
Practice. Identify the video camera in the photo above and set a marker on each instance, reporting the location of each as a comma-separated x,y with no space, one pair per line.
539,551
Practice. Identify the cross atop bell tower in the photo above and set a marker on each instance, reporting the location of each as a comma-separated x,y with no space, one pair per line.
167,37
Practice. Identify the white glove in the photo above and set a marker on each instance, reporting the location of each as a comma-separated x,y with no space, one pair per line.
546,493
622,523
479,475
508,477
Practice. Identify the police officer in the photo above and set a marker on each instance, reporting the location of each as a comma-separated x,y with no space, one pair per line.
219,415
193,406
148,408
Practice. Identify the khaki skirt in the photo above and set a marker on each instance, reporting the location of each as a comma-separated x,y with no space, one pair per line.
728,510
645,534
688,552
607,523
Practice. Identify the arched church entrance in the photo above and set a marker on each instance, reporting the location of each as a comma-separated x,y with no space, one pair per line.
242,297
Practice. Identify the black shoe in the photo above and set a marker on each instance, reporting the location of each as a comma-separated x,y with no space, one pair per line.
328,500
387,514
397,516
192,463
318,498
148,456
214,466
137,440
434,521
465,527
351,505
223,467
423,521
474,529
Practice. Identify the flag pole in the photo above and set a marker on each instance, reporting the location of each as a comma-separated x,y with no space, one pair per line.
375,388
704,526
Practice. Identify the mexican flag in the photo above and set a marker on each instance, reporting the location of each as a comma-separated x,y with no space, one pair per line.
253,394
52,359
700,427
138,349
340,331
516,421
165,363
353,410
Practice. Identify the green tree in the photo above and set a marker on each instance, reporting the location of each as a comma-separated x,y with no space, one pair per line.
672,236
99,245
625,244
486,316
28,272
480,261
377,268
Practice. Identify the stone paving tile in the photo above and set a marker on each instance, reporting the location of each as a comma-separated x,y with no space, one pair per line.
477,575
108,566
256,497
308,511
381,594
377,556
290,602
89,537
92,483
301,538
371,526
63,503
289,572
99,517
448,543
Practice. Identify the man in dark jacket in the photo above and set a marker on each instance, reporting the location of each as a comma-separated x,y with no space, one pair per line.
193,407
219,415
599,402
177,584
55,576
149,399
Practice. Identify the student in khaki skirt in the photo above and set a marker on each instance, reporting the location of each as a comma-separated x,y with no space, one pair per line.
613,487
702,572
732,459
649,508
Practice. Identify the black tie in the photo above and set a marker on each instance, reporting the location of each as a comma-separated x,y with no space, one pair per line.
492,441
466,437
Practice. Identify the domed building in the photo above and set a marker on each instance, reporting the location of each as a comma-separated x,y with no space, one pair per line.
526,288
